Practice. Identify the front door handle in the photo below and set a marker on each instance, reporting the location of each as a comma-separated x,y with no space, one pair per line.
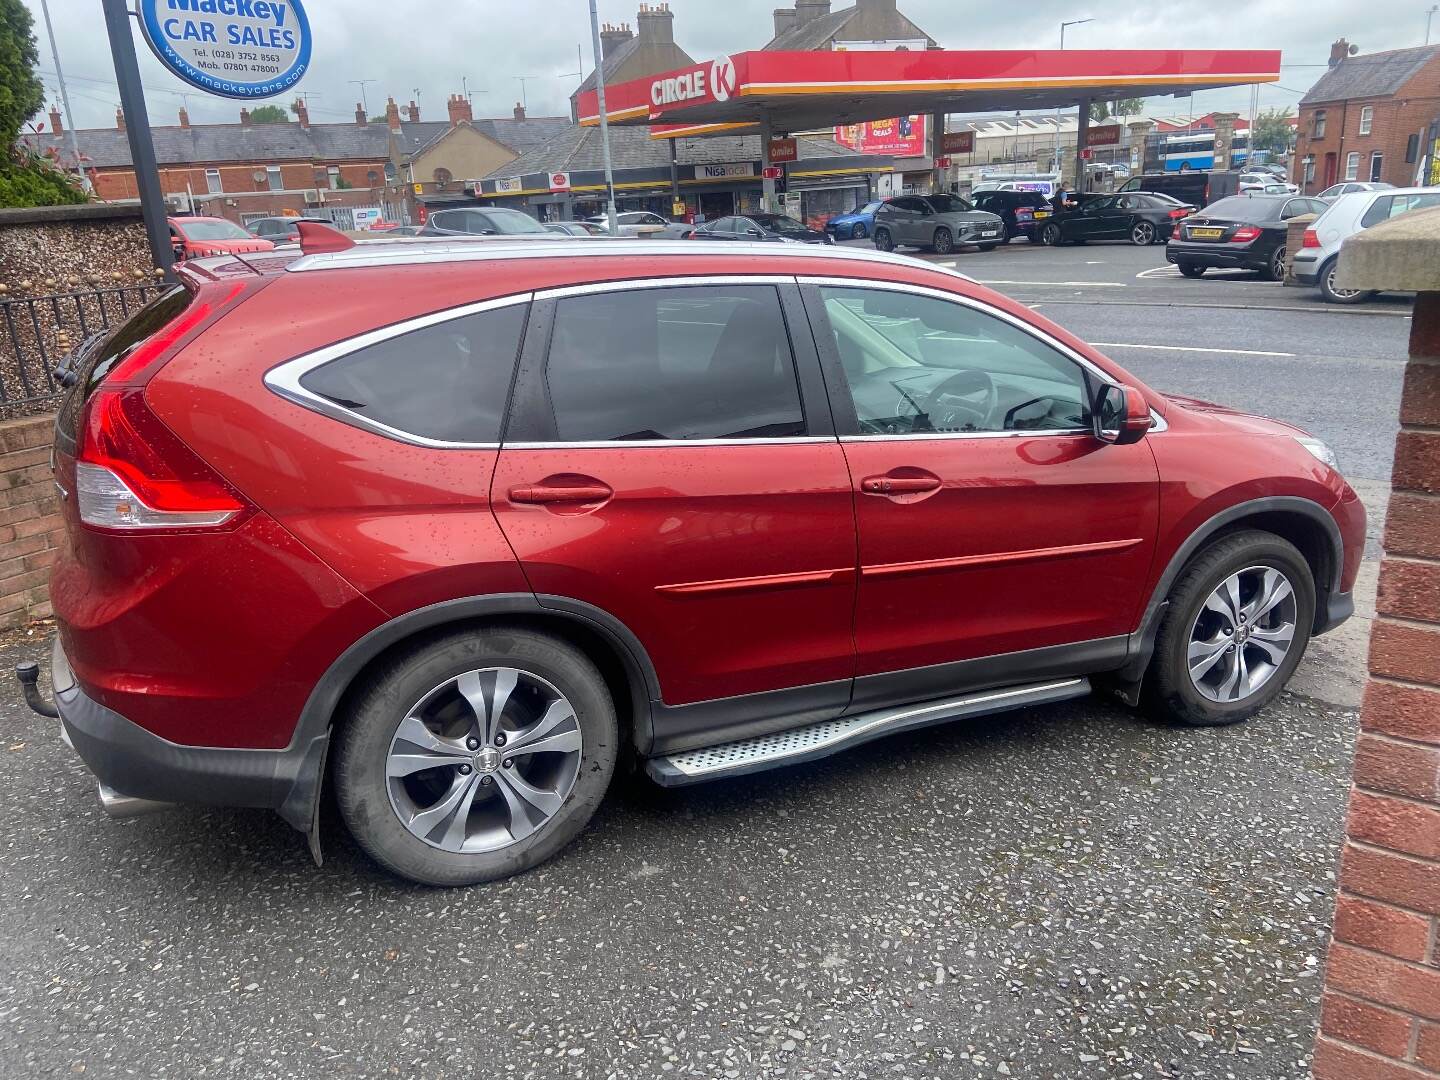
898,485
550,493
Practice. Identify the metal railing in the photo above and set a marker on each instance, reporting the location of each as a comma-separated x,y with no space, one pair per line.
37,332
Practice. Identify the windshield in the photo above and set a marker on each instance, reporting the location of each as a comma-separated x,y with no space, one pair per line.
212,229
781,224
512,222
868,208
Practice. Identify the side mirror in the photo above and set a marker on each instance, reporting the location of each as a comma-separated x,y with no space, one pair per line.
1121,415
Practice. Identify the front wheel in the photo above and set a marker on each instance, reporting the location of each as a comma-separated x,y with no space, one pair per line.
1190,269
1142,234
883,240
944,242
859,232
475,756
1051,236
1234,631
1339,296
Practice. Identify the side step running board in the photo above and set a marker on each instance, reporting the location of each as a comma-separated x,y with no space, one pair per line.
831,736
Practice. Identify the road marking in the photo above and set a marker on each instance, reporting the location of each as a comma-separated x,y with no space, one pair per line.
1190,348
1068,284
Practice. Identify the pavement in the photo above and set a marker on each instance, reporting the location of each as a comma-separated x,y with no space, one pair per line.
1065,892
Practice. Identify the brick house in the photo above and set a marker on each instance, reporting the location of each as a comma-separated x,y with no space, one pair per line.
1369,117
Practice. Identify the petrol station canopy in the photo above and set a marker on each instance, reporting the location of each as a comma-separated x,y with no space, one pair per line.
806,91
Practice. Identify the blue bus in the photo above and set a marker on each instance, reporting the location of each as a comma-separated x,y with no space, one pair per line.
1197,149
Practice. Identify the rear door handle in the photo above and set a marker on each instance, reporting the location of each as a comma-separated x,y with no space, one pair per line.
898,485
543,494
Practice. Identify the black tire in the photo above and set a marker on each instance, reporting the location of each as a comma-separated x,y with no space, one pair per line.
1169,691
1143,233
1334,296
944,241
1006,233
859,232
883,240
1190,269
364,741
1275,267
1051,236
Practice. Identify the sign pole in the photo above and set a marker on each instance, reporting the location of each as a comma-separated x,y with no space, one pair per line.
137,131
604,122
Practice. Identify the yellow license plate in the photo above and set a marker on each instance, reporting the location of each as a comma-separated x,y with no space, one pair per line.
1206,234
1041,214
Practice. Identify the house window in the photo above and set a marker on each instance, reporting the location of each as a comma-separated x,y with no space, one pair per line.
272,177
1412,149
333,173
1317,125
1308,164
212,181
1352,165
1367,117
1377,162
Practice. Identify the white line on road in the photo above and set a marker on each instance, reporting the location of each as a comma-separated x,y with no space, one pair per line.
1076,284
1190,348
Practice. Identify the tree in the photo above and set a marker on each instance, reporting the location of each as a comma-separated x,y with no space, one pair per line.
21,91
265,114
1273,131
1099,110
1130,106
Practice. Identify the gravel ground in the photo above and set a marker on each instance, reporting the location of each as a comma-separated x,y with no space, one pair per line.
1064,892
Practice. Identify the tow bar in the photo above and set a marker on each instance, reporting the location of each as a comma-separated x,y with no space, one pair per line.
28,674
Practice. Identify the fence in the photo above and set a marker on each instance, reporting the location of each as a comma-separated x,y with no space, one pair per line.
35,333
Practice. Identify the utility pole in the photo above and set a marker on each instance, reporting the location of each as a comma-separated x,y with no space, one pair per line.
64,98
604,122
364,101
1059,171
1428,16
137,132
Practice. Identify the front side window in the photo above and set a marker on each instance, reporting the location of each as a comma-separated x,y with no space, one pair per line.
1352,165
447,382
507,222
1367,117
683,363
921,365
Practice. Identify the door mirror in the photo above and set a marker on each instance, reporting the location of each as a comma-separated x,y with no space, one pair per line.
1121,415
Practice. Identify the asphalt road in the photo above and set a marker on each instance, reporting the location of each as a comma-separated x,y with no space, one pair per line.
1066,892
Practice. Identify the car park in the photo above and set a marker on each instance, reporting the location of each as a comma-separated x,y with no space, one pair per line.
939,223
482,221
631,222
1334,191
767,228
1316,261
856,225
526,510
1023,213
1138,217
1194,187
1244,231
192,237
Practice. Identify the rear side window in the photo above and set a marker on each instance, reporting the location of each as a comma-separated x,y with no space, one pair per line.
704,362
447,382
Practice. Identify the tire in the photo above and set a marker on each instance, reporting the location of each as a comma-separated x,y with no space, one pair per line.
1051,236
859,232
1247,558
424,691
1275,268
883,240
1142,234
1191,270
1333,295
944,242
1006,233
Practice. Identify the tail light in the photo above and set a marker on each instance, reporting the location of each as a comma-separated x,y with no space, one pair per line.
1180,212
1311,240
1244,234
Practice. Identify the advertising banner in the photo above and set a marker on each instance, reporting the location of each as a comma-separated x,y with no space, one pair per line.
902,137
254,49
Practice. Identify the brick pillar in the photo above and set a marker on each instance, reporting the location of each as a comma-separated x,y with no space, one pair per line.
1380,1017
1224,139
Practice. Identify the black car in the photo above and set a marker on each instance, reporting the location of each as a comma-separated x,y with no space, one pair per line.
1140,218
1246,231
1192,186
278,230
775,228
1024,212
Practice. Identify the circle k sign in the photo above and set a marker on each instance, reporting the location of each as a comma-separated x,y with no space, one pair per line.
232,48
722,78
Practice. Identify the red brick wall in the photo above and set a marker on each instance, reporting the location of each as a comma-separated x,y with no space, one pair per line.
29,520
1380,1018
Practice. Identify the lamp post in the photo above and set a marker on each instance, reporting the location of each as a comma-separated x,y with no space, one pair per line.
1428,16
604,123
1063,25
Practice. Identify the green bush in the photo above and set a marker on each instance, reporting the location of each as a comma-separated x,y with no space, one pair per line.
27,180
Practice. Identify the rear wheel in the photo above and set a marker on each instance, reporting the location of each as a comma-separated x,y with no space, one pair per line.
859,232
475,756
1235,629
1339,296
1191,269
1142,234
944,242
1051,235
883,240
1275,268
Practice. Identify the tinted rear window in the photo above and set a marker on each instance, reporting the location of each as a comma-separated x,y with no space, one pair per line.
447,382
1244,208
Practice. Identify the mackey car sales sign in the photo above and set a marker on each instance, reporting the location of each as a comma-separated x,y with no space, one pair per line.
233,48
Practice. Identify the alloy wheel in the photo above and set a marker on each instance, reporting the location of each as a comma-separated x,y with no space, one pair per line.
1051,236
859,232
483,760
883,240
1342,294
1242,635
1277,265
1142,234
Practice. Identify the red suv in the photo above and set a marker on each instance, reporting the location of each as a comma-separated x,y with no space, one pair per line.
451,528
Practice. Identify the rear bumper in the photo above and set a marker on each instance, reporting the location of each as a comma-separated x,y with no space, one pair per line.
1205,255
137,763
1305,268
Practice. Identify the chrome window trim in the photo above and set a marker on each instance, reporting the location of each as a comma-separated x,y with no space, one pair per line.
637,284
655,444
284,379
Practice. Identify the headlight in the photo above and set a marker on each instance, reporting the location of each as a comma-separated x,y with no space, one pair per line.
1321,451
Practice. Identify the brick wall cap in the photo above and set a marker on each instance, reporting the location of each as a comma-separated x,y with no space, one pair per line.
1402,254
125,209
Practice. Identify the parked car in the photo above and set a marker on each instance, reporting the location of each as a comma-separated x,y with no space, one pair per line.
192,237
482,221
575,228
1246,231
1137,217
632,222
769,228
1263,182
278,230
729,505
1316,261
1195,188
856,225
1348,187
676,230
405,230
1023,213
940,223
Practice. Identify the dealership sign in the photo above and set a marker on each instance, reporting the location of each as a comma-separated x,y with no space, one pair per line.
233,48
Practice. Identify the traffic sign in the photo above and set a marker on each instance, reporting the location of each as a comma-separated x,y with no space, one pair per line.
237,49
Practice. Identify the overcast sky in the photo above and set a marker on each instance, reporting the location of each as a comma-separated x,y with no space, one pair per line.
423,51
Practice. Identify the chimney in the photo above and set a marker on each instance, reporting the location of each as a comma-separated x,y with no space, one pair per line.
809,10
302,113
612,37
392,114
1339,51
360,114
784,20
459,106
56,128
412,112
184,117
656,24
120,119
519,111
244,117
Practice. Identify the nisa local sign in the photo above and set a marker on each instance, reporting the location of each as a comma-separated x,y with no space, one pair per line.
233,48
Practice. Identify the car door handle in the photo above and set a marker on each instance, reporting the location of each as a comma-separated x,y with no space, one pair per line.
547,494
898,485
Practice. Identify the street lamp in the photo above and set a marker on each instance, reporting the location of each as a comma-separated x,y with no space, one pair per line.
1428,16
1063,25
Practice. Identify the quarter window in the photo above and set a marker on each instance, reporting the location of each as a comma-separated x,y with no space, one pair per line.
447,382
702,362
921,365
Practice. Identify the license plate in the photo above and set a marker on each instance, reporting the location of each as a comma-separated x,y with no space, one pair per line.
990,232
1206,234
1042,214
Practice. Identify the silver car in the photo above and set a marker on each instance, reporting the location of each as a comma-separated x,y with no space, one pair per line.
938,222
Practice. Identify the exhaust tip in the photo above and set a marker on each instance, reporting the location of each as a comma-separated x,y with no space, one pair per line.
120,806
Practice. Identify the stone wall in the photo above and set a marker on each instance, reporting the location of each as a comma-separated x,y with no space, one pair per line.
52,249
29,520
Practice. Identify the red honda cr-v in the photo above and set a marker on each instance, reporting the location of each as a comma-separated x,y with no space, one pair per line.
450,528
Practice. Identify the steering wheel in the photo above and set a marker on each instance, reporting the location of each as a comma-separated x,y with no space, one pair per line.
948,407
